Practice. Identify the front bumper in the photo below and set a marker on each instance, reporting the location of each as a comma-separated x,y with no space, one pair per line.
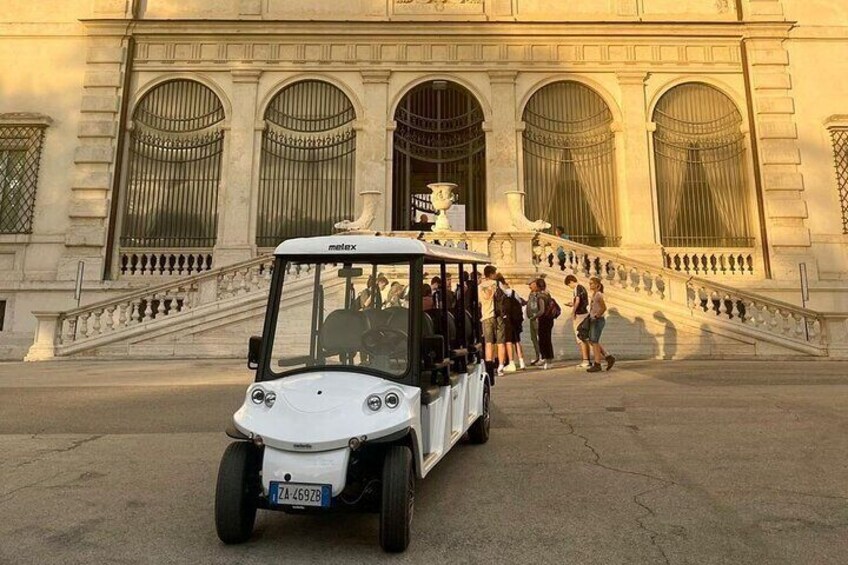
324,468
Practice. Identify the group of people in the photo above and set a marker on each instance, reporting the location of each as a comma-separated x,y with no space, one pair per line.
503,313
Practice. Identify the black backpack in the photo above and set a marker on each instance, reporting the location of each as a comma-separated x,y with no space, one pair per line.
515,311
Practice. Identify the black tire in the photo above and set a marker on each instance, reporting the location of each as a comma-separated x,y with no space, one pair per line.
398,499
237,493
479,430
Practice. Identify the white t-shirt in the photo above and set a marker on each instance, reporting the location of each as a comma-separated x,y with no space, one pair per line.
487,298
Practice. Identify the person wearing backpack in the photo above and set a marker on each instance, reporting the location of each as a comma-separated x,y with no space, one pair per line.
512,318
549,311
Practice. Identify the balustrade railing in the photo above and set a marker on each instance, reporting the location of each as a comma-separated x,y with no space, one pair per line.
716,262
666,288
700,296
161,301
163,262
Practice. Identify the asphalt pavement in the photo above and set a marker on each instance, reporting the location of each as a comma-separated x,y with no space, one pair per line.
653,462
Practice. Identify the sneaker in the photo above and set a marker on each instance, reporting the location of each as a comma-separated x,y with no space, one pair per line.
546,366
596,368
584,365
610,362
509,367
522,365
535,362
500,370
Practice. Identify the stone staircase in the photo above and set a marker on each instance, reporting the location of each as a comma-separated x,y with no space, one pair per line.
655,311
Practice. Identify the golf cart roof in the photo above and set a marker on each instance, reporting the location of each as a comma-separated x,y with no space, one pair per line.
351,245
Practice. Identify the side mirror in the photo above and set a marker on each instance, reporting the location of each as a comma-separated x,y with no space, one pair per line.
433,350
254,346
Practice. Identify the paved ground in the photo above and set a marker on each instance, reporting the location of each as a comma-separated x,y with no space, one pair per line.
675,462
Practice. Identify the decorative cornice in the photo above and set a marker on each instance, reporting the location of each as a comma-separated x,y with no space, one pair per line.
632,78
375,76
246,75
502,77
25,119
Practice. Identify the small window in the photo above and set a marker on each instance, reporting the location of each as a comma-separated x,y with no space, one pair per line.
20,158
2,314
840,155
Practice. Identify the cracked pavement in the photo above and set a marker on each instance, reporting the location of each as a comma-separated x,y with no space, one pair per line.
655,462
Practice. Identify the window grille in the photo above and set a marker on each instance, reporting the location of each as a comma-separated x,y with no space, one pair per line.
840,156
702,184
569,163
175,149
20,158
308,163
439,138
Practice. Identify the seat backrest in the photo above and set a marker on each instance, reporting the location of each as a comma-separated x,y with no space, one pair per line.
342,332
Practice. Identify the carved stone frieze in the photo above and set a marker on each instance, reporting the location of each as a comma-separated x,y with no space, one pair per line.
429,52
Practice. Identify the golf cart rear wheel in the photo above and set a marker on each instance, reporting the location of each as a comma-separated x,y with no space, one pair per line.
237,492
479,430
398,499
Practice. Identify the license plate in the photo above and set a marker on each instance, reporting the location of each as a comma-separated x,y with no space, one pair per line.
298,494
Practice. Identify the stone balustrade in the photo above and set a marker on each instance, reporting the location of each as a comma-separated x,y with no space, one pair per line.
163,262
714,262
669,288
95,323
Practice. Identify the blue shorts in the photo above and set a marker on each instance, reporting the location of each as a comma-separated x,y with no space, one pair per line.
596,327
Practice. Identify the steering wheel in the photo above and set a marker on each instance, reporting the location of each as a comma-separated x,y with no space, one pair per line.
384,341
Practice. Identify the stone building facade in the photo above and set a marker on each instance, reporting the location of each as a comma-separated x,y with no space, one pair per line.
702,135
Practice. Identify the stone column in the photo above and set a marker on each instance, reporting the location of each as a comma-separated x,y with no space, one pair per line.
637,219
372,188
236,241
501,151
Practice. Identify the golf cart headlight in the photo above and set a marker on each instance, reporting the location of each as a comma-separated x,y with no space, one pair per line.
374,402
392,400
270,398
257,395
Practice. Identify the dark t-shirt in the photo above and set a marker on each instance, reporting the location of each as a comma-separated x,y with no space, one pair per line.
581,300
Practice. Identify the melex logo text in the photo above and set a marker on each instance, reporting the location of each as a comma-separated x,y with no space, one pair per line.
341,247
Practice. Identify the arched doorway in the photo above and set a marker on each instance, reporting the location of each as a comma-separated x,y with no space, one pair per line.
703,193
569,163
439,138
175,150
308,164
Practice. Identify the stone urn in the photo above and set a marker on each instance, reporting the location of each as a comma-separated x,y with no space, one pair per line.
442,199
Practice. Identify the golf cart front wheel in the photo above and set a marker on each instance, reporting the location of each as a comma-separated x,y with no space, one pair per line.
237,492
398,499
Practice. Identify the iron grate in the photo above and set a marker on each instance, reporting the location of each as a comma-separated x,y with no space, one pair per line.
20,159
840,156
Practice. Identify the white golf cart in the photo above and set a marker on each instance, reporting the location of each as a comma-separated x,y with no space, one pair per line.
359,390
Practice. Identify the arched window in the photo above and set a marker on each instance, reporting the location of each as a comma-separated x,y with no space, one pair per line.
569,163
175,147
439,138
307,174
702,186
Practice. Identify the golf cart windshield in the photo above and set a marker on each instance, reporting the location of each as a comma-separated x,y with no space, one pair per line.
343,315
